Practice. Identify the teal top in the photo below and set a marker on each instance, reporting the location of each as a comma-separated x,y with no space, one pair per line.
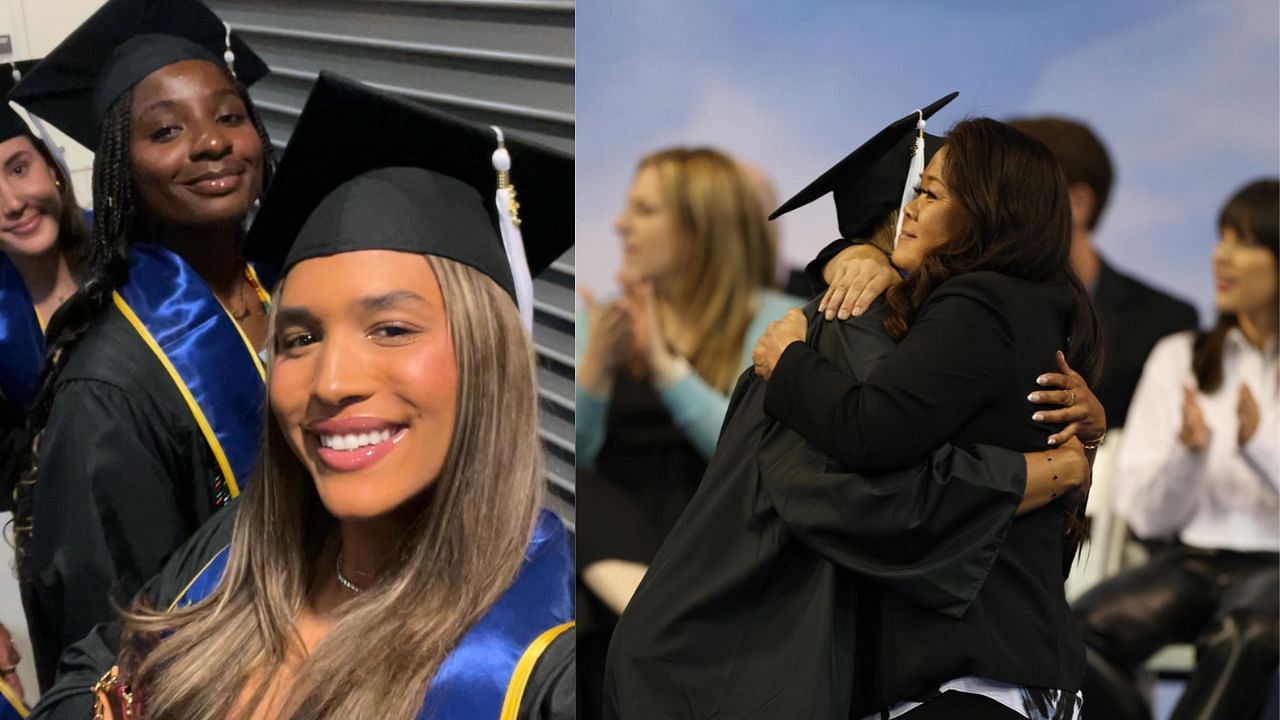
696,407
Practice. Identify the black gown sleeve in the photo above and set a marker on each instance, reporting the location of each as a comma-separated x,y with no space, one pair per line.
91,657
106,512
12,444
947,367
552,692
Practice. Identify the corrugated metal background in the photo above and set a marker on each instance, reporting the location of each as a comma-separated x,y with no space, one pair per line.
505,62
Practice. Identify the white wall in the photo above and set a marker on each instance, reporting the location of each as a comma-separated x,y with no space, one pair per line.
37,26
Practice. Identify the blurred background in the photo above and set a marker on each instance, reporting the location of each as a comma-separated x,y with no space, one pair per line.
1184,93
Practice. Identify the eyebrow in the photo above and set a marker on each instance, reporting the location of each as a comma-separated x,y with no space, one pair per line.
16,157
934,178
389,299
157,105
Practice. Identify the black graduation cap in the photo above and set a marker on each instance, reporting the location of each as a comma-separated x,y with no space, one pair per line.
868,182
365,170
12,123
118,46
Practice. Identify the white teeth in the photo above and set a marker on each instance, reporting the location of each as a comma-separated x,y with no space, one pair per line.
353,442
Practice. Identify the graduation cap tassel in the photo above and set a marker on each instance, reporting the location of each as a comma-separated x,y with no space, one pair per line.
228,56
509,226
914,172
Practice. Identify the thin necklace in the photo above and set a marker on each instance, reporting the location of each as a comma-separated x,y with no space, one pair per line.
342,579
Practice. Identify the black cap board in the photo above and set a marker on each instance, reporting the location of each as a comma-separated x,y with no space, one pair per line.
12,124
868,182
116,48
365,170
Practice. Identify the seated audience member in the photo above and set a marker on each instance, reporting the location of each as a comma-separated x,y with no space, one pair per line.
1201,465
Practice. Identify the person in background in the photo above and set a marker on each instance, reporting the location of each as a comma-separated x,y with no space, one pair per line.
148,417
1134,315
43,239
655,367
1201,465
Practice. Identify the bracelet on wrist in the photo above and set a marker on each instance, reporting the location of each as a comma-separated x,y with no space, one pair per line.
1095,443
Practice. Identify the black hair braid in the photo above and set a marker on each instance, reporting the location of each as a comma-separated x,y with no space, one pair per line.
105,270
268,150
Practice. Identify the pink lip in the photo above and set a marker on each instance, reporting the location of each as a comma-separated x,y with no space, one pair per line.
217,185
367,456
27,227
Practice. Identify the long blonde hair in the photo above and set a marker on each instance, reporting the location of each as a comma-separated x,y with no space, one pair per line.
455,561
727,256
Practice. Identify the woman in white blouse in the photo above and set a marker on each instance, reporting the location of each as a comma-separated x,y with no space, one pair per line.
1200,466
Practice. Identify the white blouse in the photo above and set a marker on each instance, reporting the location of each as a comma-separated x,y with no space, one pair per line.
1227,497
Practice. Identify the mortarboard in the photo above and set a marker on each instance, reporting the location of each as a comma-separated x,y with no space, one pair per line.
118,46
11,122
868,182
365,170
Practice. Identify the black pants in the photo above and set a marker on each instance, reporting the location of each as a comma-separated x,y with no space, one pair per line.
1227,603
952,705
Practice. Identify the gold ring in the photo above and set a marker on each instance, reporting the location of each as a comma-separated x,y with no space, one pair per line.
1073,397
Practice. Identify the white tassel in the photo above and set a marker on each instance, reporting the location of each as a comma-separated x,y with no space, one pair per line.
509,225
914,172
228,56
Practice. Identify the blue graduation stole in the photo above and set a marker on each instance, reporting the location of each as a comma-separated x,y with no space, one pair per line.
21,339
11,708
485,675
208,357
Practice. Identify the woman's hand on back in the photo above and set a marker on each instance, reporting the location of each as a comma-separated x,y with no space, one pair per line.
855,278
1080,410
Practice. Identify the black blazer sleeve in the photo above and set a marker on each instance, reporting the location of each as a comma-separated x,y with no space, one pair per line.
947,367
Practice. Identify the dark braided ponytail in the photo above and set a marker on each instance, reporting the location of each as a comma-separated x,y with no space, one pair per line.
117,223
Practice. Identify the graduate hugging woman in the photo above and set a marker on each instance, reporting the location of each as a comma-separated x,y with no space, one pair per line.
390,558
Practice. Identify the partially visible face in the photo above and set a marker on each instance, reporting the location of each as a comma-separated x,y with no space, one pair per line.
931,220
649,232
1244,274
29,201
365,382
197,158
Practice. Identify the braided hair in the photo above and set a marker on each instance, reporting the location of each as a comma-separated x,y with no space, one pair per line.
117,223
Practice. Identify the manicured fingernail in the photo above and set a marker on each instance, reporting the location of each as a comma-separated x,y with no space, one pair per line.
822,307
1038,417
1034,397
1042,380
858,310
830,315
1053,441
844,314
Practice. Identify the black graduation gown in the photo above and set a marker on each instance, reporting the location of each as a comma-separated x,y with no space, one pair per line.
748,609
12,439
124,478
548,696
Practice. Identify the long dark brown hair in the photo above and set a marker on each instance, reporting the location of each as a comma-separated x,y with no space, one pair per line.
1017,221
1254,214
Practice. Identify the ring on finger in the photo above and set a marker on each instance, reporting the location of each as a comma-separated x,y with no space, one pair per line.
1072,401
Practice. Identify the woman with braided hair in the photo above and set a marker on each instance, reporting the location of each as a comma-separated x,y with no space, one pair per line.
148,417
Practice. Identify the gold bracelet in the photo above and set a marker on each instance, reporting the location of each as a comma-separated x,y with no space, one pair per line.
1095,443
